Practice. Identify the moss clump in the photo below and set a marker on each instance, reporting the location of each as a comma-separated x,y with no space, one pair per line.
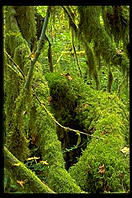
90,18
116,19
59,177
64,93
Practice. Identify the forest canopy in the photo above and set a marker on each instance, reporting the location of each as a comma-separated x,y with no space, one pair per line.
66,99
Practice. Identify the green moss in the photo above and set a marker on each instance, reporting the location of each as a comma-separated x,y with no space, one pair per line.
59,177
116,19
21,56
100,37
107,116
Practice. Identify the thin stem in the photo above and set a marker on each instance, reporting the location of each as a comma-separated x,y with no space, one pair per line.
39,48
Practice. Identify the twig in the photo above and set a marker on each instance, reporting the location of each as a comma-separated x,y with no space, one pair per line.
15,64
65,128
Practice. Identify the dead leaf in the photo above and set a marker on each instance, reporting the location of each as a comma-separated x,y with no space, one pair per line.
32,55
103,132
91,130
35,138
102,169
33,158
69,77
121,175
125,150
119,51
21,183
85,105
44,162
50,99
62,74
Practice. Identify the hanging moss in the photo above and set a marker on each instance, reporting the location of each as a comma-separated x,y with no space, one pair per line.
86,24
116,20
91,30
86,34
91,64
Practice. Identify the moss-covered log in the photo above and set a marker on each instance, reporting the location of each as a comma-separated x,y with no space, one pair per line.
25,179
102,166
43,136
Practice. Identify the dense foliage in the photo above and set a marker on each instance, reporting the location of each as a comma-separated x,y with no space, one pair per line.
68,130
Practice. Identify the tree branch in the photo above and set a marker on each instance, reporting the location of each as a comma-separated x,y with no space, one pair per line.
67,10
24,178
38,49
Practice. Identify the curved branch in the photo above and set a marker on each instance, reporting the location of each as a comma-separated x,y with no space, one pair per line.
72,23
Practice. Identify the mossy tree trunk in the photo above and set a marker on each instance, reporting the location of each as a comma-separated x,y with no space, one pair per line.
27,123
18,49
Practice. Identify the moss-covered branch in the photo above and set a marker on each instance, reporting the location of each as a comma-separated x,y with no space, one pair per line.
24,178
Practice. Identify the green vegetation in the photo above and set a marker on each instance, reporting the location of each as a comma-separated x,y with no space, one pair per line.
66,99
